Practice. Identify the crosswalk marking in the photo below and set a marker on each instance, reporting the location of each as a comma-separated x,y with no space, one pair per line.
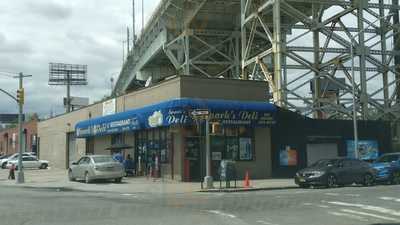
348,216
368,207
390,199
369,214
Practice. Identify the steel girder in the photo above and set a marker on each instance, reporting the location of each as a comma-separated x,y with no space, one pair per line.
297,44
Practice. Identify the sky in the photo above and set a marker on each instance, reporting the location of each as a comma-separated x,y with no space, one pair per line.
35,33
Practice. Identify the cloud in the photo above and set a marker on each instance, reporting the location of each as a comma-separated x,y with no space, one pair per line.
50,10
81,33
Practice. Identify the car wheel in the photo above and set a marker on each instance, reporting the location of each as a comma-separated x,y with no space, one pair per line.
331,181
118,180
70,176
395,178
43,166
368,180
4,165
87,178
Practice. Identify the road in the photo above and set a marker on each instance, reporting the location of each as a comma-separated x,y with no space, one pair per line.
348,205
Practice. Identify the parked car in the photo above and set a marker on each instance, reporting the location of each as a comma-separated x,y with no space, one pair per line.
30,162
96,167
334,172
4,156
4,161
388,167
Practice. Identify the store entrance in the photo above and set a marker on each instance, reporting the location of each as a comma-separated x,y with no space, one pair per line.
193,159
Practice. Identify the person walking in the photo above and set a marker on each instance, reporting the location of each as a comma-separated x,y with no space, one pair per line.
11,175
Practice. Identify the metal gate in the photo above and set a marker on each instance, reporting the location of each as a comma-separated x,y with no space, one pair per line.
316,152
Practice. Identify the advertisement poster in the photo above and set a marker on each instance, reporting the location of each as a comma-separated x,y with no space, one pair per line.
367,149
245,152
288,156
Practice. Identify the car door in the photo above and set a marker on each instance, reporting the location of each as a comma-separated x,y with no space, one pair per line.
28,162
76,169
83,163
343,172
359,169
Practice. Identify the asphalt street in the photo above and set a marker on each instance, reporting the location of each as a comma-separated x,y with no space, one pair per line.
348,205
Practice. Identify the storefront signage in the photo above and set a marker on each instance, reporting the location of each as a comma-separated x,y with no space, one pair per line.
367,149
109,107
288,156
175,112
107,128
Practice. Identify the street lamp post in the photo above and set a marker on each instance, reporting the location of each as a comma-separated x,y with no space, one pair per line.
353,44
204,114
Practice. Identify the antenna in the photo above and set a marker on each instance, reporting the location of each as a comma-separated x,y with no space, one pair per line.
127,41
112,84
142,16
133,24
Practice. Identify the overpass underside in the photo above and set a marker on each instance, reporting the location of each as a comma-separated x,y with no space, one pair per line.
302,48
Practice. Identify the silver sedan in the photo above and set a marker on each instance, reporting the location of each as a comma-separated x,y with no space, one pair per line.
96,167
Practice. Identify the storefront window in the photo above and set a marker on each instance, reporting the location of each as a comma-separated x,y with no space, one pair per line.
236,143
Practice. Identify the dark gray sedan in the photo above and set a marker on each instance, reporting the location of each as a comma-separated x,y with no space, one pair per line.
96,167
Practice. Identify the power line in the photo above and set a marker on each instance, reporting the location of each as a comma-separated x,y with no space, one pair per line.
6,75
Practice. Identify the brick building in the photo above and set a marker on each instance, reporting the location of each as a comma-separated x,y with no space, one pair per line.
9,138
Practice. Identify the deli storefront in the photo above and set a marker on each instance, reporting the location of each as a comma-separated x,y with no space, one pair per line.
239,131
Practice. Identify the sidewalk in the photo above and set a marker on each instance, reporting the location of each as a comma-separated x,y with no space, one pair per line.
58,179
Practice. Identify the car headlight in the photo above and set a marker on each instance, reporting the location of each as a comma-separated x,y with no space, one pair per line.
317,174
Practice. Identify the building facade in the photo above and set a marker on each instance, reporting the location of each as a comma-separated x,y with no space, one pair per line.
156,125
9,138
177,144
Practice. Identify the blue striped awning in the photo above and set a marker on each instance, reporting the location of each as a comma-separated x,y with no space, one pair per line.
178,112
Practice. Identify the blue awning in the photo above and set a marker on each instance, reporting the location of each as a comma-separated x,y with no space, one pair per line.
177,112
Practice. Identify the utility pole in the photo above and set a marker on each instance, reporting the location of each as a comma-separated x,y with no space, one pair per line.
21,100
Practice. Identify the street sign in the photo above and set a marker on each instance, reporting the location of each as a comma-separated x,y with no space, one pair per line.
200,112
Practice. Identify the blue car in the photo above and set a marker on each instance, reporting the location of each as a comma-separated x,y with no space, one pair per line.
388,168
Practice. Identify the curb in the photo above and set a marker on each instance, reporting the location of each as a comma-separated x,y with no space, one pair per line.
248,189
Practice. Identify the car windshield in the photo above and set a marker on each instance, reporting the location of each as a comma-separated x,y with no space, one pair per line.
103,159
324,162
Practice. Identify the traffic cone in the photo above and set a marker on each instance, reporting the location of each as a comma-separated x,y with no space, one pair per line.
247,180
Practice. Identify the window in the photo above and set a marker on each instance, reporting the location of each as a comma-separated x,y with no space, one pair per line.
29,159
117,139
236,143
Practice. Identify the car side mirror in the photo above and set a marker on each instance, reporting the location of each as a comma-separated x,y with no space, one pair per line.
74,163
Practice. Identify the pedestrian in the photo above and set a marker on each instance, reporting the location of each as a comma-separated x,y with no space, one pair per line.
129,165
11,175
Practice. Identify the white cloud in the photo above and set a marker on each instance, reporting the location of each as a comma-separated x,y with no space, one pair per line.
34,33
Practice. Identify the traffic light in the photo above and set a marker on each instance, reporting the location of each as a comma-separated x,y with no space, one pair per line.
20,96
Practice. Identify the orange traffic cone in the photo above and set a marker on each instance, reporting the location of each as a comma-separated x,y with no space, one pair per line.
247,180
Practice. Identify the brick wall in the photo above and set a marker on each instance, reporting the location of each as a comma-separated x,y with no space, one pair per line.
6,136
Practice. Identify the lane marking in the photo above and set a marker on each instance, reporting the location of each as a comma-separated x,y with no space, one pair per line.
368,207
307,204
352,195
323,206
217,212
369,214
265,222
332,194
390,199
348,216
